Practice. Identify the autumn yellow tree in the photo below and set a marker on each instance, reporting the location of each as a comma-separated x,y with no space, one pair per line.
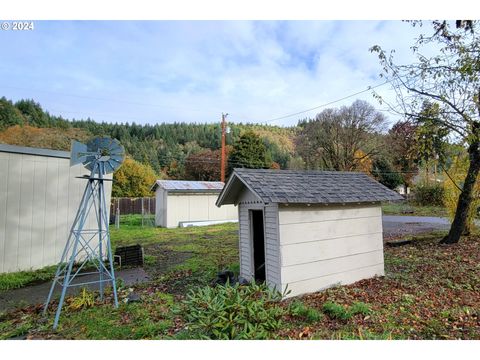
133,179
453,184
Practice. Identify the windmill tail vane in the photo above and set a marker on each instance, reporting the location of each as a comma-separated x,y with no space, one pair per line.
87,257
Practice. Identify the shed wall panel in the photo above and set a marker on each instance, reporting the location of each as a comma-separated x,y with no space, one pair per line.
248,201
342,278
195,207
329,229
296,214
272,247
246,266
3,208
320,247
160,209
330,266
39,198
306,252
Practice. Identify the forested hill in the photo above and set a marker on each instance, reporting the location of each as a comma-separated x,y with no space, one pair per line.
163,146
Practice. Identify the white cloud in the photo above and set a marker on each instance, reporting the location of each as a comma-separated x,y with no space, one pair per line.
194,71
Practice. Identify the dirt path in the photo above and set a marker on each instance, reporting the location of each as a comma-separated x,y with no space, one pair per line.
37,294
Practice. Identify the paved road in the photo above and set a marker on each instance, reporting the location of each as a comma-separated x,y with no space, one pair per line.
394,226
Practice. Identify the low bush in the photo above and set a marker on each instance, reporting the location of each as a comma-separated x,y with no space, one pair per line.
337,311
428,195
360,308
232,312
299,309
84,300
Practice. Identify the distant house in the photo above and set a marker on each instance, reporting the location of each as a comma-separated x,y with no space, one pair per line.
179,202
307,230
39,197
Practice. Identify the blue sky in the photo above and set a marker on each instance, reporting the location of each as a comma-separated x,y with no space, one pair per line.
166,71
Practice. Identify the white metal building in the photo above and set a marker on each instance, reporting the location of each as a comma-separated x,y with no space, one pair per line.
303,231
179,201
39,197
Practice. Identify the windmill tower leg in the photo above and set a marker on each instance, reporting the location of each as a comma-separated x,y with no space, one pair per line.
76,234
63,264
89,247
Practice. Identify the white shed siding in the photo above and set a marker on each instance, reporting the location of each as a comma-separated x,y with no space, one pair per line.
325,245
244,247
160,208
180,207
39,197
272,247
246,202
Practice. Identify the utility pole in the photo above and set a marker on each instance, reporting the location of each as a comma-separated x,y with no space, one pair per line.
223,160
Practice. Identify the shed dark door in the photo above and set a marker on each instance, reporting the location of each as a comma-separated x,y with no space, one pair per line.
258,235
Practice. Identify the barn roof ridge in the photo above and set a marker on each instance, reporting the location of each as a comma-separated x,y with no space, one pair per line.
306,187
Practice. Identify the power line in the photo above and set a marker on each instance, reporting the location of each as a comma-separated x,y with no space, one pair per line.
327,104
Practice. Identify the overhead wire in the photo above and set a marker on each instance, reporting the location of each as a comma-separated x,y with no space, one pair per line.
369,88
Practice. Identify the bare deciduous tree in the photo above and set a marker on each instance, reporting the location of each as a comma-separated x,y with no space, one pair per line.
340,139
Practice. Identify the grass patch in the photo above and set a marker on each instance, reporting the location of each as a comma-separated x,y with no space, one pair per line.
20,279
409,208
308,314
337,311
429,292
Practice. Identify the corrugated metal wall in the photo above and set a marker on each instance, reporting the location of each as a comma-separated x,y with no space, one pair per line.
39,197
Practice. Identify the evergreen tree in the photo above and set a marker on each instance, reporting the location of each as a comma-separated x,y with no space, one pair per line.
9,114
249,152
385,174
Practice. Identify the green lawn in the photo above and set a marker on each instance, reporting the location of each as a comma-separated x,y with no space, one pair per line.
409,208
429,292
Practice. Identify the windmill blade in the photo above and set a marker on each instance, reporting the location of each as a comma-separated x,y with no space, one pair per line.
77,153
104,150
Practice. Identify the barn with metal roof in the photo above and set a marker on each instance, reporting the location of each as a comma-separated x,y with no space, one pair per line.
303,231
181,203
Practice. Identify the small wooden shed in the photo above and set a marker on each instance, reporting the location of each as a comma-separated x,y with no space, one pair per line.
307,230
179,201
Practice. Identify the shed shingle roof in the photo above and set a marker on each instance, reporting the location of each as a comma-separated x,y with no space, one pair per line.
306,187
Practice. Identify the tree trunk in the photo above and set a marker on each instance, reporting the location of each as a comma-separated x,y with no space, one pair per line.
466,196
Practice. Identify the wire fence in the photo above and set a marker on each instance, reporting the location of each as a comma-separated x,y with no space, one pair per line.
144,206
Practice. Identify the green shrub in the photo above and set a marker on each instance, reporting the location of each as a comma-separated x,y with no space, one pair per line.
232,312
337,311
360,308
429,195
298,308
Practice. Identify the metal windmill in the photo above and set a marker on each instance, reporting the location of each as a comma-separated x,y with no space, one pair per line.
89,247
